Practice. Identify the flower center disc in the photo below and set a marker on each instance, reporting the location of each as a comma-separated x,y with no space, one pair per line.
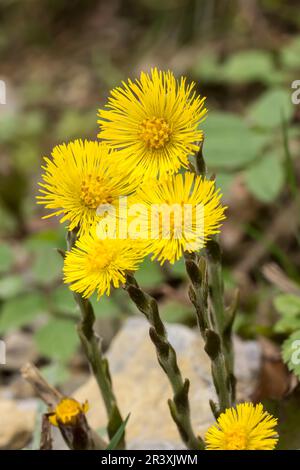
236,440
155,132
102,260
93,192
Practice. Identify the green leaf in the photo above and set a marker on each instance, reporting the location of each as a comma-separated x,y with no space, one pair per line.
207,68
57,339
26,156
47,263
21,311
287,324
6,257
247,66
290,55
229,279
56,374
118,436
104,307
291,353
174,312
224,181
287,304
229,143
62,300
17,127
149,274
269,109
8,222
178,268
11,286
33,123
74,124
9,126
265,178
54,238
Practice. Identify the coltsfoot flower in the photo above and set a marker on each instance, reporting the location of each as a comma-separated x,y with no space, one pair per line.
177,214
246,427
96,265
79,178
67,412
154,123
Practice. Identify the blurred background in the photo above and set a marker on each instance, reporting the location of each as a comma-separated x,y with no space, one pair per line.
59,60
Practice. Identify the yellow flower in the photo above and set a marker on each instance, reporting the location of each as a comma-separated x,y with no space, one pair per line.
80,177
246,427
177,214
95,264
154,123
67,412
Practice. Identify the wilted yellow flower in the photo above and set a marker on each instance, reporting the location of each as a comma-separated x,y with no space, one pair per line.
67,412
154,123
78,178
246,427
177,214
96,265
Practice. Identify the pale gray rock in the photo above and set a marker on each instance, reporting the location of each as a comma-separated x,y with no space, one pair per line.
17,425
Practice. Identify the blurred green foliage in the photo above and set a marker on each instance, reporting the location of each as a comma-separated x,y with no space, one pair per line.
252,145
288,306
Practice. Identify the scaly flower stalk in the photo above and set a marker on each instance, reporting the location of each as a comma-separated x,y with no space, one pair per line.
179,405
214,320
198,272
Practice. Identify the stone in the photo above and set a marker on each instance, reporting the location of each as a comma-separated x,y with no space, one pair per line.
17,425
142,388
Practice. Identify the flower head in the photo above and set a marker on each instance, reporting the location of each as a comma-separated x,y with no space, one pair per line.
177,214
78,179
246,427
153,122
67,412
95,264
